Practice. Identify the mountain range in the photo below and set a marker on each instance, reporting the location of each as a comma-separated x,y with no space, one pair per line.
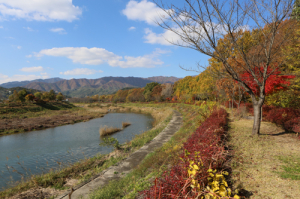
24,83
89,87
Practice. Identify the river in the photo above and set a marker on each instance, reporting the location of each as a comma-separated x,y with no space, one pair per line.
37,152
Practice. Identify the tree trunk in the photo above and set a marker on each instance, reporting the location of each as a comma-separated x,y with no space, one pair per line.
257,118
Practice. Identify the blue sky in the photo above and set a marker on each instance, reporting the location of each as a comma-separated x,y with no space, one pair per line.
87,39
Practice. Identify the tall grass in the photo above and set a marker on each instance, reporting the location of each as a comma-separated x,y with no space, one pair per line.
105,130
125,124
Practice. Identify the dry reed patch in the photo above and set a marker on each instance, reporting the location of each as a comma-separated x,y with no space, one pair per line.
256,163
125,124
105,130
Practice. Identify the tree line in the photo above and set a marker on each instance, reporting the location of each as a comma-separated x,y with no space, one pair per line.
24,96
260,64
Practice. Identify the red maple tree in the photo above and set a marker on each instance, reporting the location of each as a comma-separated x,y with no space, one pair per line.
274,83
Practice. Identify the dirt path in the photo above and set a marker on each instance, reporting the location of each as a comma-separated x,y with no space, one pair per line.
267,166
127,165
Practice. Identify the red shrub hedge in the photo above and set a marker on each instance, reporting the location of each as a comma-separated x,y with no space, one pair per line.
206,145
280,116
293,125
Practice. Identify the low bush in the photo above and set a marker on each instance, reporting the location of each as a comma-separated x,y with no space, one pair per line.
293,125
110,141
201,164
280,116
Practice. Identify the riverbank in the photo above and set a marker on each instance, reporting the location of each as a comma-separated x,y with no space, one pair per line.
18,118
53,183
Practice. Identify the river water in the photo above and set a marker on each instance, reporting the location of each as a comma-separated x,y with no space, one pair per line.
37,152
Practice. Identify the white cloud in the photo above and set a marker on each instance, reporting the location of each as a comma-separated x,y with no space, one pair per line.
163,38
81,71
28,28
32,69
40,10
168,37
19,47
45,75
132,28
1,27
143,11
3,76
6,78
28,56
58,30
97,56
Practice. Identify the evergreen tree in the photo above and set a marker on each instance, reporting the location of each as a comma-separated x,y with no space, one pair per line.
52,95
22,95
38,95
296,10
60,96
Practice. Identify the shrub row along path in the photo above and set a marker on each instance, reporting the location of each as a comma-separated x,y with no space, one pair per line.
127,165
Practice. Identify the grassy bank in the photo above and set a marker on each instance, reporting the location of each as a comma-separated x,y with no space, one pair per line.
160,160
29,117
266,166
27,110
53,182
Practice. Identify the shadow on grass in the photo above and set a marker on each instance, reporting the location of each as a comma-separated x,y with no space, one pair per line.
243,193
56,105
278,134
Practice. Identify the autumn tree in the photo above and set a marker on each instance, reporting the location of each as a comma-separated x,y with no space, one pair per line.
120,96
29,97
102,98
232,89
135,95
148,90
200,24
38,95
200,87
167,90
95,98
60,96
156,93
296,10
51,95
14,97
22,94
45,96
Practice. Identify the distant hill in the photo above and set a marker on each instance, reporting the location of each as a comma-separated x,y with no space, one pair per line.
163,79
4,92
24,83
101,86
